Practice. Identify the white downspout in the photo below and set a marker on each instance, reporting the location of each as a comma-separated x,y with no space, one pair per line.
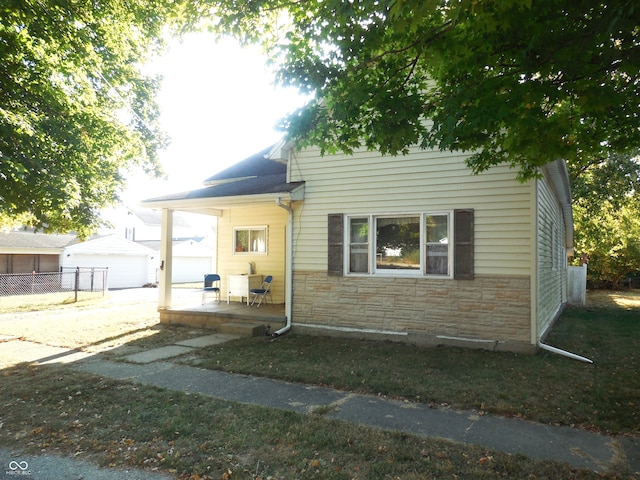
549,348
288,294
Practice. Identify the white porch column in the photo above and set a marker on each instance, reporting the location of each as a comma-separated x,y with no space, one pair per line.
166,259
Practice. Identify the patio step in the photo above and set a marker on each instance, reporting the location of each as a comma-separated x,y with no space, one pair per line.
242,329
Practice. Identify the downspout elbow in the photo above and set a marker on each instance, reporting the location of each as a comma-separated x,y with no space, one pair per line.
559,351
284,205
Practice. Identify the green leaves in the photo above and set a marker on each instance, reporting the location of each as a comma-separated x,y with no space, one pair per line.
506,80
606,211
68,71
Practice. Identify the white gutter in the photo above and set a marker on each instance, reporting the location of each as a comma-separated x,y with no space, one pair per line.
288,294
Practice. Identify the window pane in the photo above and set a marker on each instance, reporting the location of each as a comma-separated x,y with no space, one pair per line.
359,245
437,228
358,260
437,245
398,243
242,241
258,241
437,259
359,230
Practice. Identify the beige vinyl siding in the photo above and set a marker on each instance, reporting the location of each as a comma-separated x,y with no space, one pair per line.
551,272
273,263
422,181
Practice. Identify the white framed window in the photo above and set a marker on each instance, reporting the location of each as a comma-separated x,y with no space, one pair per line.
400,245
250,240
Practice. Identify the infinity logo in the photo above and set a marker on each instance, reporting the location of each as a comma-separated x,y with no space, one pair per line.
13,465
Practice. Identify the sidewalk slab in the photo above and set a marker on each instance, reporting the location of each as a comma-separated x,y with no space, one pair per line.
207,340
243,388
18,351
578,448
156,354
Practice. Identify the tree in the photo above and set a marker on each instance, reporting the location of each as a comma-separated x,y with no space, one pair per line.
509,81
75,108
606,209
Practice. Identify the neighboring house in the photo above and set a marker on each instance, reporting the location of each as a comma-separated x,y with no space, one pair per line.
130,265
413,248
140,225
192,259
28,251
193,238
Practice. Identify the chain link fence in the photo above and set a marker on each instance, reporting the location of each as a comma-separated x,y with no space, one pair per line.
80,279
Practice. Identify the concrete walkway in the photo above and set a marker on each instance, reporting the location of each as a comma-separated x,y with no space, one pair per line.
578,448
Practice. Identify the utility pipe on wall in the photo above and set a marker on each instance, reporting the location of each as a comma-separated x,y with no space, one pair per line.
288,293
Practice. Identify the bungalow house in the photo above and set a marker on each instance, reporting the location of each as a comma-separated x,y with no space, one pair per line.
412,248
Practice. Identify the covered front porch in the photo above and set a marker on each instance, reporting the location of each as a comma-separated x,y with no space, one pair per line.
233,318
253,203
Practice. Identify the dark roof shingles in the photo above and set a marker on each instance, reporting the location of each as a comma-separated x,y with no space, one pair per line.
256,175
35,240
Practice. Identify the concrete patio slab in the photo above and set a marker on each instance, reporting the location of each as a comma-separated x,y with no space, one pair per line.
156,354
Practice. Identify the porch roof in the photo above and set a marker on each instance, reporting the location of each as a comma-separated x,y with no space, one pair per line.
257,179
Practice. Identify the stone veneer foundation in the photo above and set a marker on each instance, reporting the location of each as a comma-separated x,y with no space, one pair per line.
488,312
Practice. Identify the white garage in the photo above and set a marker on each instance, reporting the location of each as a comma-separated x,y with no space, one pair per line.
130,265
191,261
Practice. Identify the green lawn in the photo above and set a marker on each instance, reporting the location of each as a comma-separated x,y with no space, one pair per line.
549,388
54,409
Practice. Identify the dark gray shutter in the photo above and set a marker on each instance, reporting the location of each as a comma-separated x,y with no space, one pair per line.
463,244
336,245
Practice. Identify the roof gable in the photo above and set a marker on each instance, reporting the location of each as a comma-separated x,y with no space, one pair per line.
110,244
254,176
257,165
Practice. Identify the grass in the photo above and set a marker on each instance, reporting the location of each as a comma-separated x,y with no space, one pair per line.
48,301
57,410
94,324
53,409
546,387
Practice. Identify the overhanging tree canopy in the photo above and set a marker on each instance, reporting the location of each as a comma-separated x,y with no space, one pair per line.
74,106
511,81
606,209
508,81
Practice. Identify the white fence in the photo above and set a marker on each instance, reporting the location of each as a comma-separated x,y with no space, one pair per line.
577,285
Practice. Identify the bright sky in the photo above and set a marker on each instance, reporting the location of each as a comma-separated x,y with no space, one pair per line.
218,105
